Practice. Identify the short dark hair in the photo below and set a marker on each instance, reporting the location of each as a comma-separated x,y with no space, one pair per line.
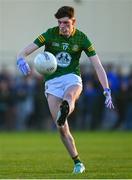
65,11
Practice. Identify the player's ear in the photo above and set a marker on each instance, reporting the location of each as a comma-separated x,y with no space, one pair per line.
73,21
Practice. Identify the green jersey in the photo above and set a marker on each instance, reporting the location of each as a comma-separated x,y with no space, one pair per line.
67,50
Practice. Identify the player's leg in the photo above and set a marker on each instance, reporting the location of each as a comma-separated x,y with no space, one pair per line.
69,143
67,139
71,95
54,105
68,104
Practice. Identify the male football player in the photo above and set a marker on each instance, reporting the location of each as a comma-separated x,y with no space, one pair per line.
63,87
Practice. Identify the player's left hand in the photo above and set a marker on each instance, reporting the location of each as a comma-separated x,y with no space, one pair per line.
108,100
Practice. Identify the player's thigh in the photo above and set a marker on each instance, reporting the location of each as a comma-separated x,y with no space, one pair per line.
73,92
54,105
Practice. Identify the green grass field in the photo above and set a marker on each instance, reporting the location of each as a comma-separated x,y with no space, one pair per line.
41,155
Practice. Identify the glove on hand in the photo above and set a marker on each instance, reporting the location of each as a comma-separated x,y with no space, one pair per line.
23,66
108,100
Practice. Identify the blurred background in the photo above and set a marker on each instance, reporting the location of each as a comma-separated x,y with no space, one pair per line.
108,24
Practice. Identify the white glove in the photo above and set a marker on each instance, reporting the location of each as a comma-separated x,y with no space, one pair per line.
108,100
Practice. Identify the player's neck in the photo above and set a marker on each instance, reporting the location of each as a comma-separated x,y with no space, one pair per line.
71,33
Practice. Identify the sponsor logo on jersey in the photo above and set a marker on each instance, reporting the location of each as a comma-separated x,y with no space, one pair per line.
55,44
63,59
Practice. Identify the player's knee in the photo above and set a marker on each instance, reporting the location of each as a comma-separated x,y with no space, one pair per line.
71,106
69,96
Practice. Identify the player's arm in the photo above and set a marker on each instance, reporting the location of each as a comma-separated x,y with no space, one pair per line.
27,50
21,58
103,79
100,71
93,57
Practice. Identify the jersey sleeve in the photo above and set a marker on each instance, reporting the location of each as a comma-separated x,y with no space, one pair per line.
41,39
88,47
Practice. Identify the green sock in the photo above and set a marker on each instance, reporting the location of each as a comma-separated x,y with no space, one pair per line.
76,159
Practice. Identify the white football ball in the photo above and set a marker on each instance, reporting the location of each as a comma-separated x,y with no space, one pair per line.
45,63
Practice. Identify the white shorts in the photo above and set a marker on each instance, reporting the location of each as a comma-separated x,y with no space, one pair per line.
59,85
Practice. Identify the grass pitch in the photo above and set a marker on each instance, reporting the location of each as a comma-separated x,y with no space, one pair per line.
42,156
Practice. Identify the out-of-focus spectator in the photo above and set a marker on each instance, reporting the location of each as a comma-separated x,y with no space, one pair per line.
114,79
128,117
90,104
25,101
4,102
121,104
7,110
23,105
42,119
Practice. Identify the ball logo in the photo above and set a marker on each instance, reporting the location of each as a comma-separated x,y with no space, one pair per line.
46,56
50,69
63,59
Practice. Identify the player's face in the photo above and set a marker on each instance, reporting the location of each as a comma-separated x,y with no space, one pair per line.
66,25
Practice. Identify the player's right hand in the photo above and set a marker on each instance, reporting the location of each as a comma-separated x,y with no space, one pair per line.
23,66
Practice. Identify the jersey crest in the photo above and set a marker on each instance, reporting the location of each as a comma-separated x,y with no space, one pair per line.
75,47
63,59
